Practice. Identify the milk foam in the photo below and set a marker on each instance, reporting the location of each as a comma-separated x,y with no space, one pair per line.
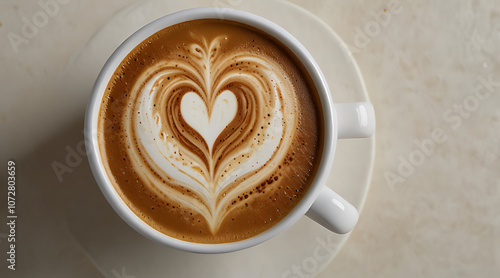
209,126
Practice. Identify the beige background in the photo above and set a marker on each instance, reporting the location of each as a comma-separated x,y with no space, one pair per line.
440,219
443,220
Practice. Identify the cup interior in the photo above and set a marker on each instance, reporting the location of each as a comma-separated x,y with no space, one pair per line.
91,119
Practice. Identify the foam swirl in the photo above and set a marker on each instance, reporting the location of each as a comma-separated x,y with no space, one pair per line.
203,124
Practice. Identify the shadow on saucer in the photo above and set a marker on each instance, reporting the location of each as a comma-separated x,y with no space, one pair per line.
67,226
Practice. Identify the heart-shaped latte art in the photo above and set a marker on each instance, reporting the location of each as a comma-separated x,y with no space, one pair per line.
205,130
209,125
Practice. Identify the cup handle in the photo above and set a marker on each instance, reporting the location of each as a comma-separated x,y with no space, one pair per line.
354,120
333,212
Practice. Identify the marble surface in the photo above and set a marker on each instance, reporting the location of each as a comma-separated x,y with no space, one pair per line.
432,70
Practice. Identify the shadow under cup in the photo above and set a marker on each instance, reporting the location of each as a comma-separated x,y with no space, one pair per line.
329,128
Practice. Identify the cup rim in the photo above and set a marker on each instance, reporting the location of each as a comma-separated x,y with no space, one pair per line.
265,25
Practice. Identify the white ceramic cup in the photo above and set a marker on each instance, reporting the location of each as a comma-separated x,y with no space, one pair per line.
341,120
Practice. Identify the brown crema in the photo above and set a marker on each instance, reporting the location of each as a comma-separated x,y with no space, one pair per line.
211,131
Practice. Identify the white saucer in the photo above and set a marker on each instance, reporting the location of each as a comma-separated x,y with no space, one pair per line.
115,248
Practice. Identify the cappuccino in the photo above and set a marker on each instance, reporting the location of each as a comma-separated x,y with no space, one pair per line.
211,131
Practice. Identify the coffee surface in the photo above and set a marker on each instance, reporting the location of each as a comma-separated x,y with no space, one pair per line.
210,131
